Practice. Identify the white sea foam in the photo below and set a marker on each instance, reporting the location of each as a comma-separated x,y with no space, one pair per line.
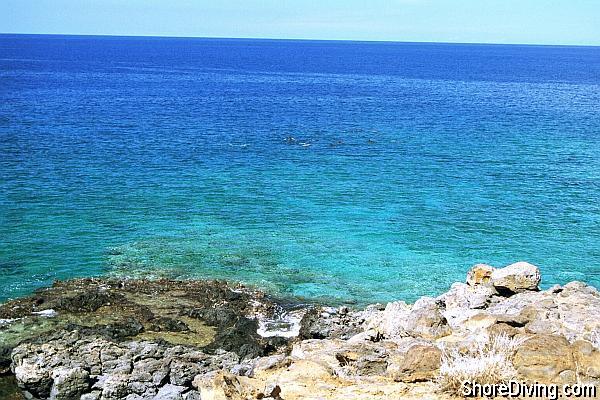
286,325
46,313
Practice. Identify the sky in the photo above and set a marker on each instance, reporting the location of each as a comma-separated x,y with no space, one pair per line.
575,22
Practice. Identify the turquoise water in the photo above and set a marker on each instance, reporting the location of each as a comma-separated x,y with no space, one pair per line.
408,164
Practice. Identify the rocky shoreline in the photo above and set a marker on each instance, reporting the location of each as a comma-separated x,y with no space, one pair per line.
101,339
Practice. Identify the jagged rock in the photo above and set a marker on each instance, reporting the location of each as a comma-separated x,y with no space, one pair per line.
570,311
270,362
32,371
318,351
170,392
543,358
516,278
137,387
321,323
389,321
273,391
480,274
587,359
426,319
345,358
192,395
423,319
182,373
88,301
462,295
94,395
463,302
359,354
69,383
418,363
362,360
312,326
114,387
218,386
145,370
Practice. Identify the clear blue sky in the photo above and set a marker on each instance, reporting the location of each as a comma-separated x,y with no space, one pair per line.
481,21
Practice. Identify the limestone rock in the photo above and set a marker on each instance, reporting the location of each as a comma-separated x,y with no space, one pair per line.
516,278
318,351
480,274
31,371
182,373
423,319
571,311
114,387
69,383
463,301
270,362
219,386
170,392
419,363
543,358
94,395
426,320
587,358
362,360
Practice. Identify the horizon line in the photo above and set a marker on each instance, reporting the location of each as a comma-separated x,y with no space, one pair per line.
295,39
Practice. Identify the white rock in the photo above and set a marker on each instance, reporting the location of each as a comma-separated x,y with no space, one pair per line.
516,278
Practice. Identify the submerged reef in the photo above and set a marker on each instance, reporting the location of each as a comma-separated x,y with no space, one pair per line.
101,339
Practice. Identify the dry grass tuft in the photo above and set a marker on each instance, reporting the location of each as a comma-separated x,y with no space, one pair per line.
489,362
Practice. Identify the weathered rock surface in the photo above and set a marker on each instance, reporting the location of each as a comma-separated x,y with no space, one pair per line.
516,278
418,363
101,340
480,274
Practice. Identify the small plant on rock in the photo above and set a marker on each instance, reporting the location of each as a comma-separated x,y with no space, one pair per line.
489,361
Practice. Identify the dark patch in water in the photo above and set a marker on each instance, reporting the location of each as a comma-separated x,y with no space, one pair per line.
11,268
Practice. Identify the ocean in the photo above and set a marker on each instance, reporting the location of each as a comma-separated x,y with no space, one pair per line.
347,172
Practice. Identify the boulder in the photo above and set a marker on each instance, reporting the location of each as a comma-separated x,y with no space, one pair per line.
480,274
218,386
94,395
516,278
463,301
192,395
362,360
419,363
344,358
69,383
424,319
270,362
587,358
466,296
543,358
170,392
31,371
114,387
570,311
319,351
182,372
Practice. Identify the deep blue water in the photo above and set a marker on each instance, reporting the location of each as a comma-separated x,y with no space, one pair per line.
409,163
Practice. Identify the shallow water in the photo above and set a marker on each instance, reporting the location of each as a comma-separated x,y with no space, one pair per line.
356,172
